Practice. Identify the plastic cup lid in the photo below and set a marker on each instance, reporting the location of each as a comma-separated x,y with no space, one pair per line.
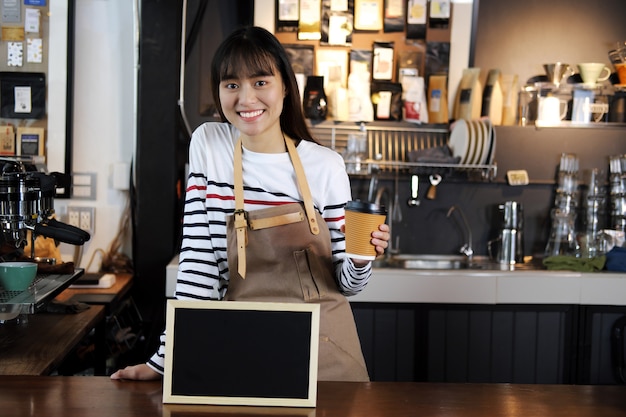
365,207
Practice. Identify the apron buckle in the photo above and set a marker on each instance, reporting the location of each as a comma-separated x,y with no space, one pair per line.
239,221
241,226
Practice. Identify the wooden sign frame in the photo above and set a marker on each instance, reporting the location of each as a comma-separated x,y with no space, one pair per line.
241,353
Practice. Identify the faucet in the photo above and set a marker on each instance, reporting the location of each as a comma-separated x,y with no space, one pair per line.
466,249
378,199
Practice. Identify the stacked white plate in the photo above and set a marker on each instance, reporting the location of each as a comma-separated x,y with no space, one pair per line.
473,141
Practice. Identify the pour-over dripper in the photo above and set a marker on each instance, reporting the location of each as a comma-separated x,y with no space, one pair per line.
557,72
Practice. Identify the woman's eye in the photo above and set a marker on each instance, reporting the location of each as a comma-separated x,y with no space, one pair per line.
230,85
261,83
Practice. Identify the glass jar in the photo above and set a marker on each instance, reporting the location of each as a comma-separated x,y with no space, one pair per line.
562,240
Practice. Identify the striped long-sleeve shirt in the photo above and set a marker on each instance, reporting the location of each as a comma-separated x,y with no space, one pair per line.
269,180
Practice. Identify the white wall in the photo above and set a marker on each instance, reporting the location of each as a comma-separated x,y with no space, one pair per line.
104,113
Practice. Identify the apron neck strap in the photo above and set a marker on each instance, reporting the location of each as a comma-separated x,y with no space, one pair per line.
240,218
303,185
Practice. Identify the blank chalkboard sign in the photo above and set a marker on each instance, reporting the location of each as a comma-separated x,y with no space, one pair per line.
241,353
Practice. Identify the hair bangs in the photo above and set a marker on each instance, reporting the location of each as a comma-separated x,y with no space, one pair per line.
247,61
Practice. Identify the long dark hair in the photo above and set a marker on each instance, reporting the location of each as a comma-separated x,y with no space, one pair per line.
254,50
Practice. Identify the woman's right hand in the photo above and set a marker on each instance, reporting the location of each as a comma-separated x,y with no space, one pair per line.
141,372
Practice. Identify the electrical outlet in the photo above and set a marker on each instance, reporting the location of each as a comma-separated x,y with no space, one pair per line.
73,217
82,217
85,220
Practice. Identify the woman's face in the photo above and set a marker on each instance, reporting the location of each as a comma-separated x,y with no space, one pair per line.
254,104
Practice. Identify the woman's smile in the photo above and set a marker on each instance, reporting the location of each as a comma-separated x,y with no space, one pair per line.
250,114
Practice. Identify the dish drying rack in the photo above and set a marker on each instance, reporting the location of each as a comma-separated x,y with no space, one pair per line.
389,144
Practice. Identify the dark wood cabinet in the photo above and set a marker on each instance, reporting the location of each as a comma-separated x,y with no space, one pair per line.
388,335
598,360
545,344
523,344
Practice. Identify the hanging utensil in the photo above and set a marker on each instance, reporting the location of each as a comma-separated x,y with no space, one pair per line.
413,201
434,179
374,168
396,214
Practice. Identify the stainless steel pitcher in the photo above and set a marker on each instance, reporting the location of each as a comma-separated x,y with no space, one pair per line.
508,246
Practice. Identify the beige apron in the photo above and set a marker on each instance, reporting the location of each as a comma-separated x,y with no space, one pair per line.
286,251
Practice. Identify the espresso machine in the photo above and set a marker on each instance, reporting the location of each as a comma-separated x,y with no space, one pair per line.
27,204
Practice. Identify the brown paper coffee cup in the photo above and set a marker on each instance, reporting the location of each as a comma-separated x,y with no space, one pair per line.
361,220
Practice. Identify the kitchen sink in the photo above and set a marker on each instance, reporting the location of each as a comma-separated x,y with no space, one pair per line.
443,262
415,261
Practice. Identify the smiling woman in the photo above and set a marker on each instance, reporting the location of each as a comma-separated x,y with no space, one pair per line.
262,223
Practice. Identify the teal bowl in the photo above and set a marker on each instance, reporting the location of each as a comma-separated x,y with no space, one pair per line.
17,276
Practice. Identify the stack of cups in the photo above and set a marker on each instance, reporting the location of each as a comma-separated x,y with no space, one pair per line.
567,189
617,166
594,213
356,153
562,240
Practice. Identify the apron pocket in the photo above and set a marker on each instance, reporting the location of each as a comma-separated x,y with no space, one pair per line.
311,275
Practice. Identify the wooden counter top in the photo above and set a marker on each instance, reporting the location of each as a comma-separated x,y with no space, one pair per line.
123,283
38,346
100,396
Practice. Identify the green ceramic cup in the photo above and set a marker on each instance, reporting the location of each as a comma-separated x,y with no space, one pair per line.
17,276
